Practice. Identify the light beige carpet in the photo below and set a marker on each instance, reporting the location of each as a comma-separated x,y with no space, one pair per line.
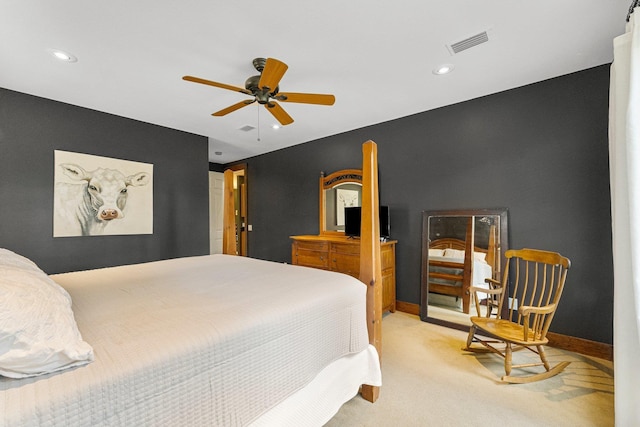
429,381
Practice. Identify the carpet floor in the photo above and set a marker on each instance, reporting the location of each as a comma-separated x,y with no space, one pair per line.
427,380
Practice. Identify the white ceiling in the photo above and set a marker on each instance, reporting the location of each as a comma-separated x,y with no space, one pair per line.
375,56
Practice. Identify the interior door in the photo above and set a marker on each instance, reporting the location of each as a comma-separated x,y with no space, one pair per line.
235,221
216,209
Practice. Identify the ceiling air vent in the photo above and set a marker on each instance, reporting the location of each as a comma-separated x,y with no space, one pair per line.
246,128
468,43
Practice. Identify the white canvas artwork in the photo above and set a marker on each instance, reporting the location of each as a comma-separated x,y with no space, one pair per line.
345,199
96,195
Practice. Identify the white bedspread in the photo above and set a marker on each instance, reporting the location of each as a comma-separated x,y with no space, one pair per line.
212,340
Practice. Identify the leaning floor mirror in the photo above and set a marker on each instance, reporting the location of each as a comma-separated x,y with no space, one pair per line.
460,248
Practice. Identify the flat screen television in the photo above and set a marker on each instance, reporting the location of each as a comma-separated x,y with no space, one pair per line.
352,221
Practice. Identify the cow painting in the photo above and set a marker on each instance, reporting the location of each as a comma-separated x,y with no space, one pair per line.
92,200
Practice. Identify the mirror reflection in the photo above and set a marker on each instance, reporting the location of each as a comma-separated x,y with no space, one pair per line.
338,190
459,250
336,199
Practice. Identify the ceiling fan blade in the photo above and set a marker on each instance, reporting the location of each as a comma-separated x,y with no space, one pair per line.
233,107
272,73
216,84
306,98
279,113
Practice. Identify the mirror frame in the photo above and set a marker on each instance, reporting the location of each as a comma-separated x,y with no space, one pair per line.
329,182
503,242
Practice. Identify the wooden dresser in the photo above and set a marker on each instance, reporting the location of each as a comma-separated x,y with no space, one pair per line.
339,253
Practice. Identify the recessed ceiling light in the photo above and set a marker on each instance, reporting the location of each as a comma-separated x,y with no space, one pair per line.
275,126
62,55
443,69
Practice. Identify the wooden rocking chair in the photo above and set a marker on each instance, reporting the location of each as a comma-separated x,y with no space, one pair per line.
538,280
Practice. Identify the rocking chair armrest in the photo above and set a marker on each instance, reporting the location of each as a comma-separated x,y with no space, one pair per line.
485,290
526,310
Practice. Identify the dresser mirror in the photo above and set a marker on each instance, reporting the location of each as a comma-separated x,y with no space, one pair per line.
459,249
338,190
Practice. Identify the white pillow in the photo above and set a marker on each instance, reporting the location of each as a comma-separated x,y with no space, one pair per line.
453,253
38,333
436,252
480,256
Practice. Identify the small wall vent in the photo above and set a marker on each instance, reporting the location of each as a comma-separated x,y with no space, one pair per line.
246,128
468,43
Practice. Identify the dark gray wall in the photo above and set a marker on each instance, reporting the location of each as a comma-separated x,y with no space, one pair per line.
216,167
539,150
32,128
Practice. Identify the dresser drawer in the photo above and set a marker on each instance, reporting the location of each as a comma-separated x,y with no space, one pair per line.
313,259
311,254
312,246
387,257
345,248
343,263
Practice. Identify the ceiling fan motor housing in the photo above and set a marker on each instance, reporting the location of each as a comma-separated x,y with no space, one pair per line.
259,63
262,95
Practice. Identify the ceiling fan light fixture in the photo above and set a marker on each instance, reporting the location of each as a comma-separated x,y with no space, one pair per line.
62,55
443,69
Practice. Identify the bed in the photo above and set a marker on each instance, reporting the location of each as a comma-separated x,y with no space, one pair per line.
210,340
231,330
454,268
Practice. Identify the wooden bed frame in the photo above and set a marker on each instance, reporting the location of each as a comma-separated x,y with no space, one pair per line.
370,260
465,269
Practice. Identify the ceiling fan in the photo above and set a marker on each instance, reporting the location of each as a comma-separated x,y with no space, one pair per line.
265,90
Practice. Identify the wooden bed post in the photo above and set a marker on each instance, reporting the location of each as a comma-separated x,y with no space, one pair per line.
370,262
493,259
229,224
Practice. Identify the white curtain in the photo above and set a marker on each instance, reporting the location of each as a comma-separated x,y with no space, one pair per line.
624,158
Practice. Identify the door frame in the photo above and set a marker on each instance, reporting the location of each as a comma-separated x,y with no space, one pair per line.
216,211
235,238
